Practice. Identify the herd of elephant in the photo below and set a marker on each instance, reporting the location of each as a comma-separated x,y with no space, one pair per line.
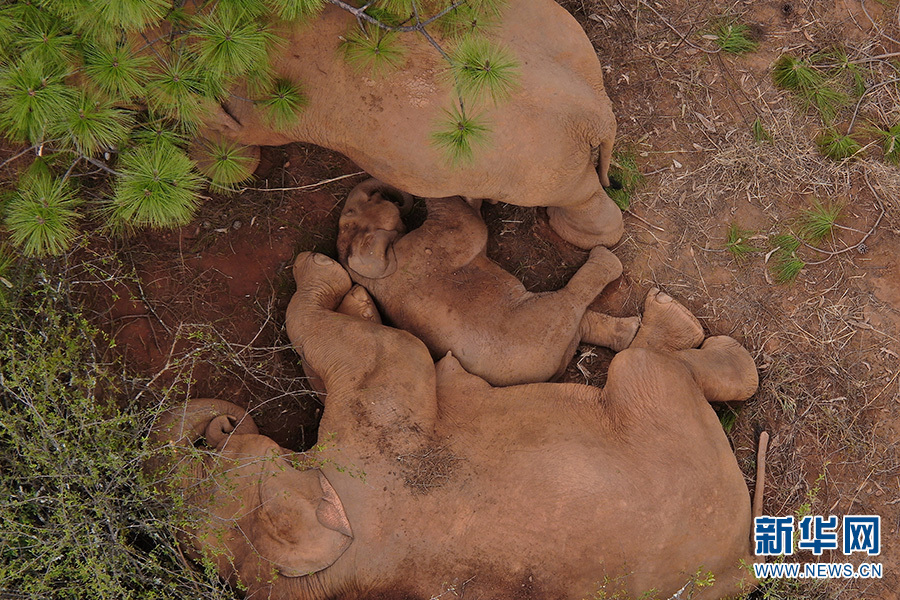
447,465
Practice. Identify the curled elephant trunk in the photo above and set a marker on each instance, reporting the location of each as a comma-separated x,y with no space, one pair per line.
180,428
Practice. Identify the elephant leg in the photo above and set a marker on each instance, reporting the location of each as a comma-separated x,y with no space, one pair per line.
667,325
601,268
384,371
596,222
357,303
723,369
615,333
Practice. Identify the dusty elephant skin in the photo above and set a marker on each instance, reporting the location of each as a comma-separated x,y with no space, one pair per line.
544,141
437,283
441,480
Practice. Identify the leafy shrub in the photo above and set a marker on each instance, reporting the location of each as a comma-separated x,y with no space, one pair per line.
77,518
83,81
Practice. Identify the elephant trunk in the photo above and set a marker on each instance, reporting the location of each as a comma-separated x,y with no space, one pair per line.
177,431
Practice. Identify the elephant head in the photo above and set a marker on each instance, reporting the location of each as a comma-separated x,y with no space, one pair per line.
261,515
370,224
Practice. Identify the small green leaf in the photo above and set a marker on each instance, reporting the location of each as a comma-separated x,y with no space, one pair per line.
625,177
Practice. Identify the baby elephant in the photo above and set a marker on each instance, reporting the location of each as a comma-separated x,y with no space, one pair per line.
437,283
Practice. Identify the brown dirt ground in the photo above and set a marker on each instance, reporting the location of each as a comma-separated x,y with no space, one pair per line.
200,310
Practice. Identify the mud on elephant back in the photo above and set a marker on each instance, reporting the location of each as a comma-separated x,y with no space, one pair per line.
427,479
549,144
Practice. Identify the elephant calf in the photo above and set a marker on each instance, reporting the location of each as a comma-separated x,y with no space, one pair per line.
428,481
437,283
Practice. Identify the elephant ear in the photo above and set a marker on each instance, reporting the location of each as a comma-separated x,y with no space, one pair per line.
301,526
372,254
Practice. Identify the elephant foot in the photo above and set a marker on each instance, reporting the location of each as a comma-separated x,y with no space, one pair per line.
597,222
607,264
667,325
358,303
320,279
615,333
723,368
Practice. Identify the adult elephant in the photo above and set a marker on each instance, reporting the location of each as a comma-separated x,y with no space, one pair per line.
550,143
427,480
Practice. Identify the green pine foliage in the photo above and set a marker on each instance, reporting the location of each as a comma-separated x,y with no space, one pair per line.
734,37
737,242
759,131
483,69
784,264
92,125
890,138
157,187
41,213
457,133
836,146
124,86
283,104
117,70
225,163
816,223
374,50
467,19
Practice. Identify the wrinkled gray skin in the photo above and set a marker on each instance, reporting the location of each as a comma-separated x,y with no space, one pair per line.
554,491
437,283
549,143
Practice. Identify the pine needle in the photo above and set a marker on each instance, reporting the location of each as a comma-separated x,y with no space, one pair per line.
292,10
284,104
815,223
40,215
737,242
890,143
759,132
483,69
371,49
225,163
228,43
92,125
118,71
157,187
836,146
734,38
457,133
32,100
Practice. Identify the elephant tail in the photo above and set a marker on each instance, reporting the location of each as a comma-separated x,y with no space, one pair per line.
178,429
757,507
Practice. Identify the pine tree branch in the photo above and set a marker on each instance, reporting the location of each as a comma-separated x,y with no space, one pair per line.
361,14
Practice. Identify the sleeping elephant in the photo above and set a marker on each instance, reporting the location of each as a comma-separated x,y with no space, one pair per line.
437,283
549,144
437,481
